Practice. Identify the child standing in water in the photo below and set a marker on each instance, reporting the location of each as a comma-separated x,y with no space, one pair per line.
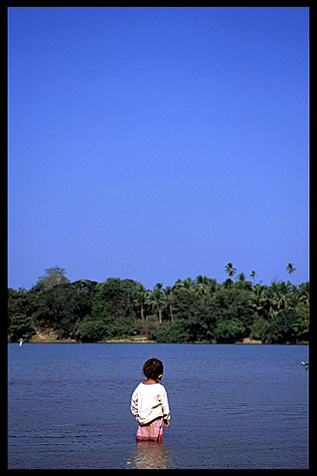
149,403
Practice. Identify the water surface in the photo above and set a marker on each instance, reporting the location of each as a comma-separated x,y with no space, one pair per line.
232,406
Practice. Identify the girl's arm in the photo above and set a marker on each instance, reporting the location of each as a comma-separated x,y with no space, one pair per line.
165,406
134,406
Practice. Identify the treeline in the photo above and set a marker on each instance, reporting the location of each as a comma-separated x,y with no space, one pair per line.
192,310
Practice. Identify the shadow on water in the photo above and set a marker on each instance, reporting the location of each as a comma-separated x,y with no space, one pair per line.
149,455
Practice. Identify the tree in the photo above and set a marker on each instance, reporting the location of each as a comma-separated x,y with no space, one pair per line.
284,293
290,268
201,283
169,300
53,276
230,270
116,298
57,309
16,303
114,305
84,291
92,331
198,310
141,299
253,275
303,289
279,294
228,330
179,331
156,300
212,286
285,327
259,300
21,327
259,328
183,285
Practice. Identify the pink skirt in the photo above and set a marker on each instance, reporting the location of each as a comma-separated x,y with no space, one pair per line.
152,431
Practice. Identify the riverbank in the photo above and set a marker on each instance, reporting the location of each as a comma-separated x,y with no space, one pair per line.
49,337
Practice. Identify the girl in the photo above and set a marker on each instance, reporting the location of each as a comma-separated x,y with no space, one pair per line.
149,403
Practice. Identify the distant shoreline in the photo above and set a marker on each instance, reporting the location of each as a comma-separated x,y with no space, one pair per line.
49,337
51,340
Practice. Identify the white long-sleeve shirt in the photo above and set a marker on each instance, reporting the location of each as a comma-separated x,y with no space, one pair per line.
149,402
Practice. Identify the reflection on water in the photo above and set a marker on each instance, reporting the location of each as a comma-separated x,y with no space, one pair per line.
149,455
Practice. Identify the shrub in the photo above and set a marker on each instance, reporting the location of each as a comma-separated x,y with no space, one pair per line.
21,327
92,331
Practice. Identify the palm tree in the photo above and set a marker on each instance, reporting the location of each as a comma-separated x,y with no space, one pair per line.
185,285
188,284
279,294
284,292
259,300
274,295
212,285
156,300
253,275
230,270
200,279
290,268
304,292
169,298
201,283
178,285
141,299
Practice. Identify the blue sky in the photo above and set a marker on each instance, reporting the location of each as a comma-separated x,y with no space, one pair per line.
157,143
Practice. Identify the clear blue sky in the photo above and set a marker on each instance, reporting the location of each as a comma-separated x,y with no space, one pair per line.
158,143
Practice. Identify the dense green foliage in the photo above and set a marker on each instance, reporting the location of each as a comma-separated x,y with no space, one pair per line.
199,310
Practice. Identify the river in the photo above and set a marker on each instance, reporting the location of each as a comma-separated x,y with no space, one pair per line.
232,406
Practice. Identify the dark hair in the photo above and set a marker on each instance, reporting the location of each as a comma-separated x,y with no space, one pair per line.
152,368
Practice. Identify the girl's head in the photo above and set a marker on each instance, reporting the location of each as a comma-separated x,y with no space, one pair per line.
153,369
